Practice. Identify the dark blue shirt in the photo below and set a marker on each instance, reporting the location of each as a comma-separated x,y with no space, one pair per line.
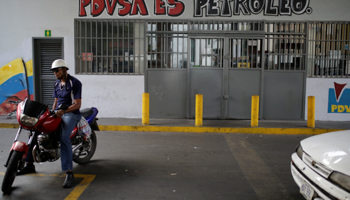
65,95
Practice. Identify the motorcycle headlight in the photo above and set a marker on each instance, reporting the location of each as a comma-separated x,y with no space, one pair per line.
341,179
300,152
28,121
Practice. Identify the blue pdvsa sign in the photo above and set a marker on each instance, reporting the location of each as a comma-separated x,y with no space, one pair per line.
339,99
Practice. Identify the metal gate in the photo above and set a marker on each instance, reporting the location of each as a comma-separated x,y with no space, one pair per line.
227,62
227,71
206,74
284,79
45,52
243,75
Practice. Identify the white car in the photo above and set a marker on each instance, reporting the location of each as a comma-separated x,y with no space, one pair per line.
321,166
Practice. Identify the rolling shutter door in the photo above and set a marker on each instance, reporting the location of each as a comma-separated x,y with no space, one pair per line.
50,50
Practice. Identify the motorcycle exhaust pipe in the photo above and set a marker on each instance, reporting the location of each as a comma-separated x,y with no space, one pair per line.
36,158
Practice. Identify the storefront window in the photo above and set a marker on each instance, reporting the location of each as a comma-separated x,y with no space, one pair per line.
109,47
167,44
328,51
206,52
285,47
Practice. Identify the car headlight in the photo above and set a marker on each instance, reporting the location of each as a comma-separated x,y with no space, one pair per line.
300,152
27,120
341,179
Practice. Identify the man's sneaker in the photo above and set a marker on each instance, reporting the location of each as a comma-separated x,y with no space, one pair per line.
27,169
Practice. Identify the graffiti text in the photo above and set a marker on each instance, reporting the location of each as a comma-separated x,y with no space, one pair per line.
131,7
127,8
228,8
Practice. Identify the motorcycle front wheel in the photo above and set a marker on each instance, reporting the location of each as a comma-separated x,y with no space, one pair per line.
87,150
11,171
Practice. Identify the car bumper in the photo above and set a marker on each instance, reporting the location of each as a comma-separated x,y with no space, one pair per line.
321,186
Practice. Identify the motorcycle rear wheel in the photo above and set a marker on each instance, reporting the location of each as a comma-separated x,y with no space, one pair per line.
88,147
11,171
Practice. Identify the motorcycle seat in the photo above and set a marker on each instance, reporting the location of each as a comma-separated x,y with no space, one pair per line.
86,112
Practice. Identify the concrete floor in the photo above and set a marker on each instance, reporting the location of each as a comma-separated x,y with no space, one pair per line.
168,165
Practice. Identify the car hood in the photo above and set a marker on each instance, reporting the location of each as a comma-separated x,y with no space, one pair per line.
331,149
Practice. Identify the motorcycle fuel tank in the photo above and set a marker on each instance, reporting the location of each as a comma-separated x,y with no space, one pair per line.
51,124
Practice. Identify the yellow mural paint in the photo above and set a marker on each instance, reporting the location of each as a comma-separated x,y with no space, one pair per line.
29,66
11,69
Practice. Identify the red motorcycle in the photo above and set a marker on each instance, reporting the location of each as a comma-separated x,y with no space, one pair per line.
43,126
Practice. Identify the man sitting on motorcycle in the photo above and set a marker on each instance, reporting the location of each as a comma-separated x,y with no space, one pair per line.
67,91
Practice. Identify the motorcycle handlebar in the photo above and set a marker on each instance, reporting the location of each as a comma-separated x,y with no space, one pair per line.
52,112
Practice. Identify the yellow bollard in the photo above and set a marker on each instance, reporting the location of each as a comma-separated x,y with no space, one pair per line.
145,109
311,112
199,110
255,111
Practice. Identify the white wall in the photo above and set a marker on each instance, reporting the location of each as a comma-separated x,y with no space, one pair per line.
22,20
319,87
114,96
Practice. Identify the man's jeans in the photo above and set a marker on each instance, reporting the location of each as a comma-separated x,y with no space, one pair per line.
69,121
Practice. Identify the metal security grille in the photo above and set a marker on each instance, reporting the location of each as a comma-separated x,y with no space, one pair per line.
241,51
245,53
167,44
285,45
207,52
109,46
328,51
226,26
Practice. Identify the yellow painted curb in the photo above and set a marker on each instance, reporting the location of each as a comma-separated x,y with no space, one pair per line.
6,125
286,131
190,129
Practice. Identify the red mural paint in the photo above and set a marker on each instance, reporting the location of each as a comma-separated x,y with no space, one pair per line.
139,6
127,7
131,7
83,4
338,89
111,7
177,8
159,7
97,7
172,8
7,107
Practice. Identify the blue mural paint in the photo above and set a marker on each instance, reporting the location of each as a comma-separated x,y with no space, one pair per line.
341,106
13,85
